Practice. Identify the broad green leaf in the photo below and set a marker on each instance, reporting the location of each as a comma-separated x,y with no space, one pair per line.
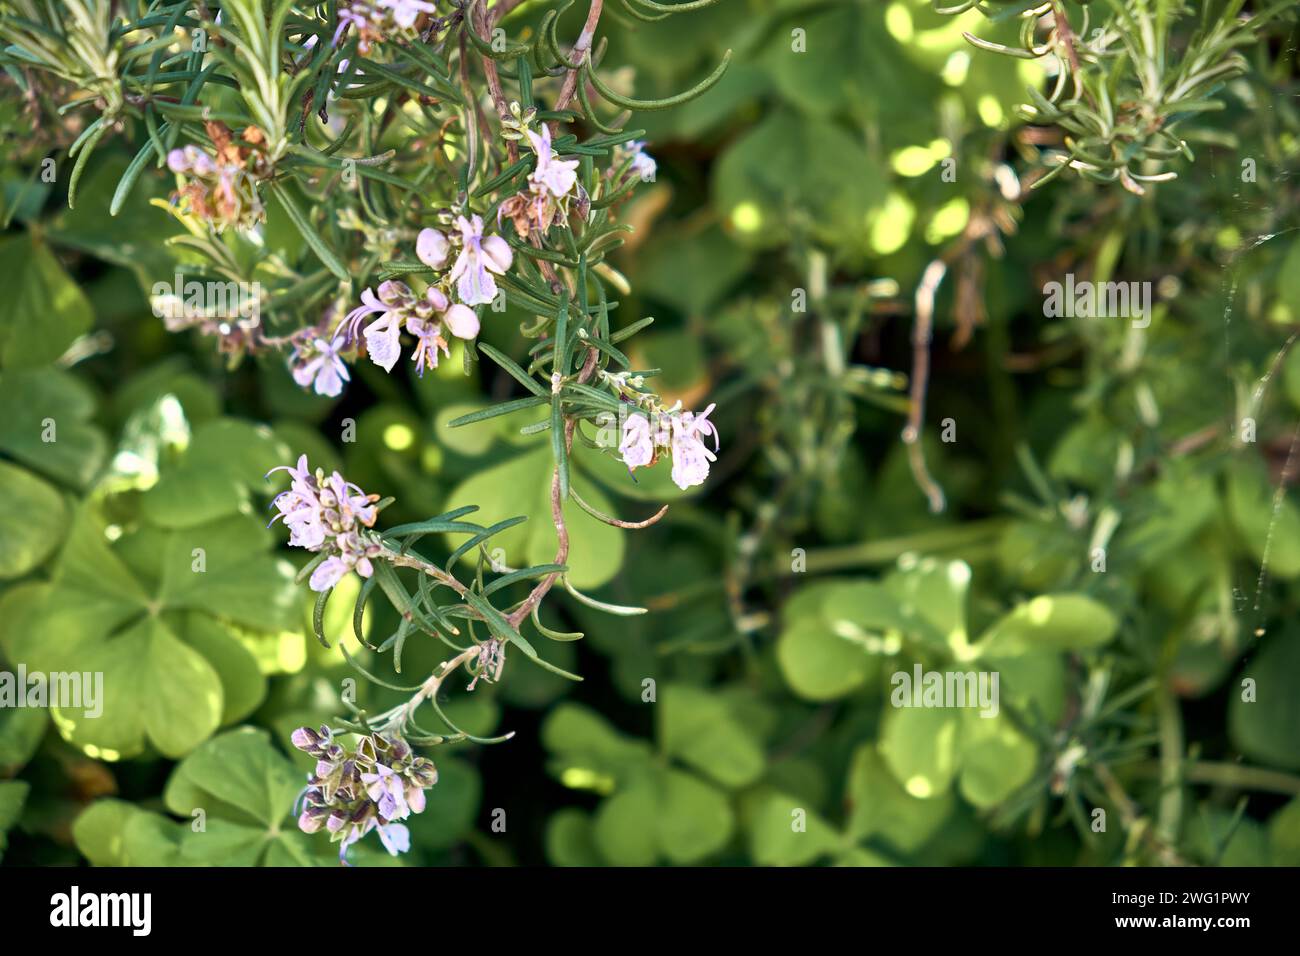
570,840
242,682
784,832
931,595
1062,622
699,729
833,635
879,806
43,311
155,686
996,758
21,730
768,176
1267,728
223,843
116,833
591,754
1215,838
47,426
860,857
919,745
225,458
451,805
32,523
818,664
1284,835
693,821
13,794
1181,504
238,770
595,548
624,826
168,678
239,580
1288,290
1265,529
1033,682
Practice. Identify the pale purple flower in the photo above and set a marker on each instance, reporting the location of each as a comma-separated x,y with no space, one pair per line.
320,364
347,18
350,327
191,159
406,11
327,514
388,791
347,503
679,433
462,321
328,573
637,446
557,176
690,455
368,787
300,508
428,343
383,340
643,164
395,837
425,317
479,258
431,248
312,818
381,336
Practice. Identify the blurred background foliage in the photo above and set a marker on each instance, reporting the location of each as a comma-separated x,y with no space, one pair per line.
794,211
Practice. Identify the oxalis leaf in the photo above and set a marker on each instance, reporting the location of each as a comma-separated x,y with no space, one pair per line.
120,610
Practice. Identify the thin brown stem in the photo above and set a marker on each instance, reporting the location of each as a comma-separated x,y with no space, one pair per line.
921,334
482,25
581,50
543,586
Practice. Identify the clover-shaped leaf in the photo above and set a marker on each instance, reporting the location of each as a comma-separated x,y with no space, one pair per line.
213,477
153,615
46,424
32,523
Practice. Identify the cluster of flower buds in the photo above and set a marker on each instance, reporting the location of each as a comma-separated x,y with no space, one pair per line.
370,787
647,433
377,20
221,187
328,515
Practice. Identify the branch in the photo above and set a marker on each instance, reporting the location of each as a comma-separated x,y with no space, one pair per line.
581,50
534,598
925,293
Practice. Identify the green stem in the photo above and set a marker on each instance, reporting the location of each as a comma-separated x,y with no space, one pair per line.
1171,761
1232,775
887,550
